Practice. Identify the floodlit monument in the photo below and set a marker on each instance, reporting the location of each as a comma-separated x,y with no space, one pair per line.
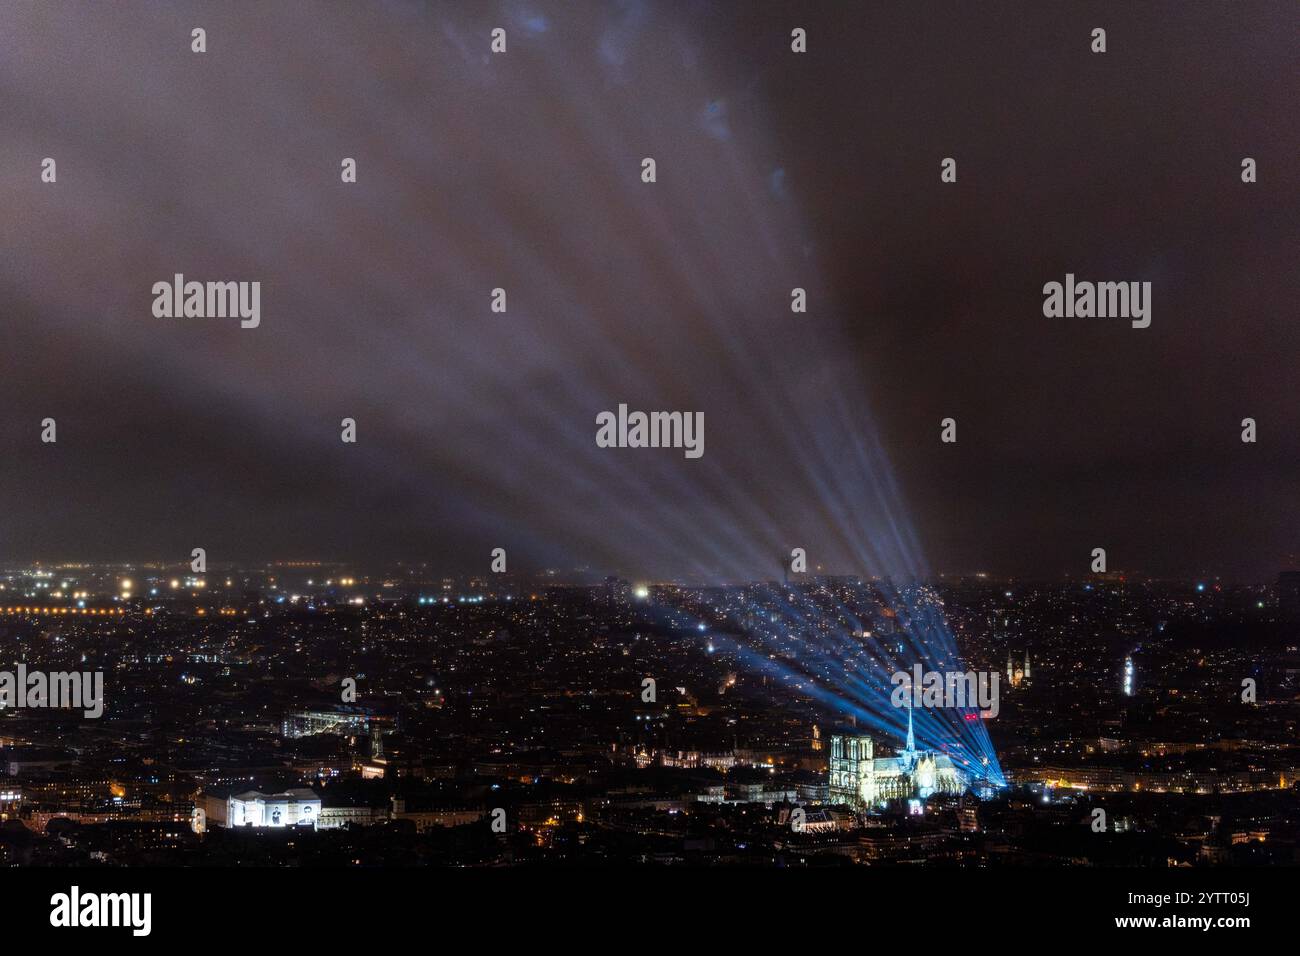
861,779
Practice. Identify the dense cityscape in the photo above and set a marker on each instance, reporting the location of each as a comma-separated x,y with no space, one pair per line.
550,474
314,714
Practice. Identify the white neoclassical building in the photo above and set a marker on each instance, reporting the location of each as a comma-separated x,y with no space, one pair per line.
298,807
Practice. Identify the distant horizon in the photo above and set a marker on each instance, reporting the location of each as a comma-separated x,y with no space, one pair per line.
579,576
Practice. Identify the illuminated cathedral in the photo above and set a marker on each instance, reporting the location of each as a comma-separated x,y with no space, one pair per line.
861,779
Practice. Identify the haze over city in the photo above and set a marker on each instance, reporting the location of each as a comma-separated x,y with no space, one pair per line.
521,172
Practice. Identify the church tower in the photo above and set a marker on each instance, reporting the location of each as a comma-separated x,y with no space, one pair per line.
907,759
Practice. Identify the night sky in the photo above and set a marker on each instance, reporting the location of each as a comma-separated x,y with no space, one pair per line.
775,170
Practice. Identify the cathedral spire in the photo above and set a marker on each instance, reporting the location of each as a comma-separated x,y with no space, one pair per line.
911,739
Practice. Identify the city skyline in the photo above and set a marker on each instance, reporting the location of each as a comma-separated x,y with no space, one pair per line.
579,574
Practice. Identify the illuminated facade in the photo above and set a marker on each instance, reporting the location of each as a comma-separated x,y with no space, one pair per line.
861,779
305,723
299,807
